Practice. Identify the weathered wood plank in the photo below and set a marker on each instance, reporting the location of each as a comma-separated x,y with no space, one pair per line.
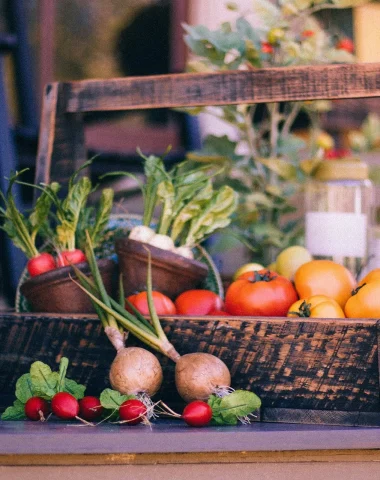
313,364
61,147
321,417
220,88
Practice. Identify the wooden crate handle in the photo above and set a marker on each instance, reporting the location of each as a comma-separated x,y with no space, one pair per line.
62,148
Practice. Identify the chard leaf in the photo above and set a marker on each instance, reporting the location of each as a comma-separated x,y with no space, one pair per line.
166,195
215,215
76,389
191,210
24,388
14,412
111,399
44,381
238,404
70,211
42,207
217,419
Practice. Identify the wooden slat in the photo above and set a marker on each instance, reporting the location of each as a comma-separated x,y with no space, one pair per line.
312,456
61,147
220,88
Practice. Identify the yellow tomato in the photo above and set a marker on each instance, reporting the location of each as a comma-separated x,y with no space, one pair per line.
364,302
248,267
324,277
316,306
371,276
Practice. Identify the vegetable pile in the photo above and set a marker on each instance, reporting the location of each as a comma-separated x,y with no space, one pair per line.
42,393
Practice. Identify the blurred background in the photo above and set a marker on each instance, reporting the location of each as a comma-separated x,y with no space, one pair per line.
55,40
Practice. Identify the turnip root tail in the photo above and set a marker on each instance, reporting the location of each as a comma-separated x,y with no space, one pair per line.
199,375
116,337
136,370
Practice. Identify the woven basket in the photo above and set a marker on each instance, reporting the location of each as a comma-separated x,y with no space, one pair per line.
309,371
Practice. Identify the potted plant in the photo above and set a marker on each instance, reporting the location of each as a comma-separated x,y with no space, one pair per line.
52,237
190,209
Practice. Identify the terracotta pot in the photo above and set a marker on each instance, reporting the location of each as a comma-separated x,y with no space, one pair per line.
172,274
55,292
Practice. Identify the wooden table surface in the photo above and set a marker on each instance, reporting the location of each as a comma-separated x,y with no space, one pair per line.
170,450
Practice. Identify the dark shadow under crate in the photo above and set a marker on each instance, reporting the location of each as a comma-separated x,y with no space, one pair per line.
310,371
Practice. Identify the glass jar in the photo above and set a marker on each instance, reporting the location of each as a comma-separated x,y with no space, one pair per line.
338,218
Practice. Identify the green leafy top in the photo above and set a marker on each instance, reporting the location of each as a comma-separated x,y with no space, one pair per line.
41,381
74,214
23,230
234,407
191,209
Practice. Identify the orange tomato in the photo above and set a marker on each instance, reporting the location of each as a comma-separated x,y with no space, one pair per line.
324,277
316,306
371,276
364,302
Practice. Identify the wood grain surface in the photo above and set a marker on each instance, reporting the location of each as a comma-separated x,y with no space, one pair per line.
312,365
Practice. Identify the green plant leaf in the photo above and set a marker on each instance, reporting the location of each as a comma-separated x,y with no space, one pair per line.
111,399
24,388
44,381
76,389
63,364
239,403
14,412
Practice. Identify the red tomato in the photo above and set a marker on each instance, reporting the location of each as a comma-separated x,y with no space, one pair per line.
162,303
261,293
219,313
41,264
198,302
70,256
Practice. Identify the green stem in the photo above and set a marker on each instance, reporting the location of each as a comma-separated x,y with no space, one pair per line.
153,314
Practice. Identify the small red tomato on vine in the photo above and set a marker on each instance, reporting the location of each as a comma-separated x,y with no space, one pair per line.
345,44
266,47
307,33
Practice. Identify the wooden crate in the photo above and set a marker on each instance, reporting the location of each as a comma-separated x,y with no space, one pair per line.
309,371
305,371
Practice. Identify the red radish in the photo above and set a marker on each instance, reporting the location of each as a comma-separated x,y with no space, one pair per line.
36,408
132,411
90,408
67,257
197,414
44,262
65,406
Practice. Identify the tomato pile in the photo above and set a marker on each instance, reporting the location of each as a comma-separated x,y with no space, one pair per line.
319,289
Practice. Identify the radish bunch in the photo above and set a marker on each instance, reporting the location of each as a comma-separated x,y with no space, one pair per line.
57,222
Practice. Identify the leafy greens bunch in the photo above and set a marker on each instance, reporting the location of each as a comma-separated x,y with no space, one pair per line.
42,382
190,207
